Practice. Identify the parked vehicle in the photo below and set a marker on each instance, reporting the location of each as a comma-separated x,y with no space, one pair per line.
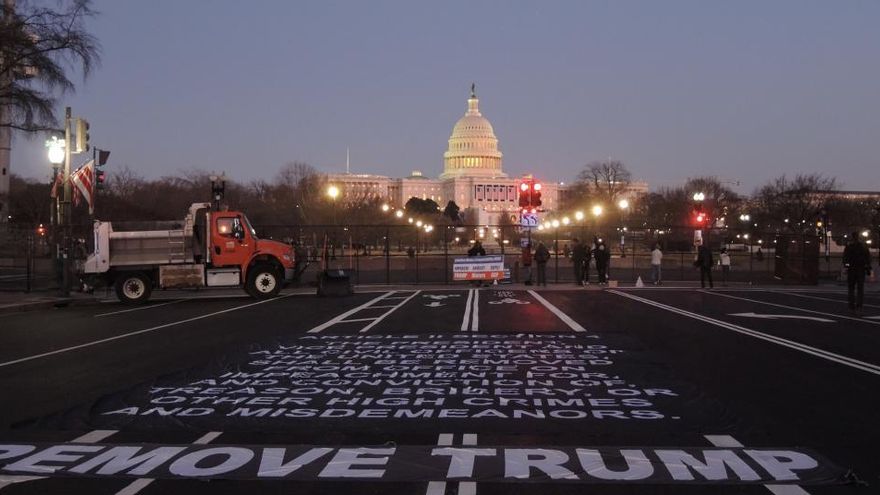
209,248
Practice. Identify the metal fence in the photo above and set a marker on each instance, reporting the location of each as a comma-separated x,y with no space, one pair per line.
408,254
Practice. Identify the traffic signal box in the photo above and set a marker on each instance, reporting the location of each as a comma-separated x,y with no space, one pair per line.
701,218
101,175
530,195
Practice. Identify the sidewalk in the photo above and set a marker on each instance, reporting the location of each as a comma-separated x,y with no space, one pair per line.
13,302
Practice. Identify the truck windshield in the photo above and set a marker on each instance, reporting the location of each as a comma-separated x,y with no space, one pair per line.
247,225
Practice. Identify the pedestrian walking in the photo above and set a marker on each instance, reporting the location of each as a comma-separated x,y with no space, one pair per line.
542,256
724,260
526,261
759,255
656,261
857,261
603,256
578,252
704,263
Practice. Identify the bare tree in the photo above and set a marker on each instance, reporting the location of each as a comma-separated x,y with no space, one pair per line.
605,181
792,204
124,182
38,45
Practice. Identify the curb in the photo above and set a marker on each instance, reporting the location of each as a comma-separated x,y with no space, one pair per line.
50,303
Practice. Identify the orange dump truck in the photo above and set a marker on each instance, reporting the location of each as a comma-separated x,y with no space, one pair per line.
208,248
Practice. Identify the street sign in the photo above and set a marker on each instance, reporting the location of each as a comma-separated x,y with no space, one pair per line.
529,220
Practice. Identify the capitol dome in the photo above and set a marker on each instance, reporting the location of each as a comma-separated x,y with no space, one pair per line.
473,147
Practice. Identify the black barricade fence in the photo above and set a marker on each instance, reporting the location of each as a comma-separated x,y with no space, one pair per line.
404,253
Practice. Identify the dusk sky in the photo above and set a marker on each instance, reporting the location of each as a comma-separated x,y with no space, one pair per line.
743,90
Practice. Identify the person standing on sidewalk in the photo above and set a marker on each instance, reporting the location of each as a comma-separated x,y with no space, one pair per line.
704,263
603,256
857,260
577,261
527,262
724,259
656,261
542,256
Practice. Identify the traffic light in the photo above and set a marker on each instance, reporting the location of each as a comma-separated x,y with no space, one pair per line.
82,135
101,175
536,195
524,190
41,231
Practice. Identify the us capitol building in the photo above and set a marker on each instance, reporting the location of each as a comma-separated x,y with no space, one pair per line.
472,176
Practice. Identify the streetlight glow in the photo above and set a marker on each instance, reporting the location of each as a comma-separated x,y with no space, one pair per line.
865,233
699,196
419,223
578,215
385,207
555,223
333,192
623,204
398,213
597,210
565,221
56,150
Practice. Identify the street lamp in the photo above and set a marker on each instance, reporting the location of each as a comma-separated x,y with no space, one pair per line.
566,221
333,192
699,196
398,213
578,215
623,204
56,150
597,211
385,207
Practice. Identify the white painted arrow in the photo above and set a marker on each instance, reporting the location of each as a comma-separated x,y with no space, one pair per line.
434,304
773,317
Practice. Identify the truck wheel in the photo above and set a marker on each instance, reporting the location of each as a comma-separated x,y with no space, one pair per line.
133,288
263,281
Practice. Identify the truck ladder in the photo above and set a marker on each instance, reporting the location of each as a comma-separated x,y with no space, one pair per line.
176,246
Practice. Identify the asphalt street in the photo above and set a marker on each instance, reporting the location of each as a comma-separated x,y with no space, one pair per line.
464,390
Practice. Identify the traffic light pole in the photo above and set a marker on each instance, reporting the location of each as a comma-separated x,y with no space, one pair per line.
65,210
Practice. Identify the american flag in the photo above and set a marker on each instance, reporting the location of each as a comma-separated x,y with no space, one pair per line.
84,181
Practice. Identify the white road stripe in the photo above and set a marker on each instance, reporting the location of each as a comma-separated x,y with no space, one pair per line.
727,441
830,356
379,319
140,308
94,436
469,439
139,484
130,334
350,312
475,318
356,320
467,488
436,488
795,308
558,312
444,439
466,320
841,301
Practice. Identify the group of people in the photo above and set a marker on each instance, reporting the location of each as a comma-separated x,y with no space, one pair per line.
540,257
582,254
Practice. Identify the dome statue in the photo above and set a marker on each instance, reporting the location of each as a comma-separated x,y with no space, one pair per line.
473,147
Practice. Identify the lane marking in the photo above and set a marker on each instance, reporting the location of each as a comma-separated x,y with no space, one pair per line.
94,436
138,332
141,483
141,308
841,301
558,312
385,315
789,307
436,488
350,312
444,439
356,320
384,307
776,317
727,441
469,439
466,320
830,356
467,488
475,318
